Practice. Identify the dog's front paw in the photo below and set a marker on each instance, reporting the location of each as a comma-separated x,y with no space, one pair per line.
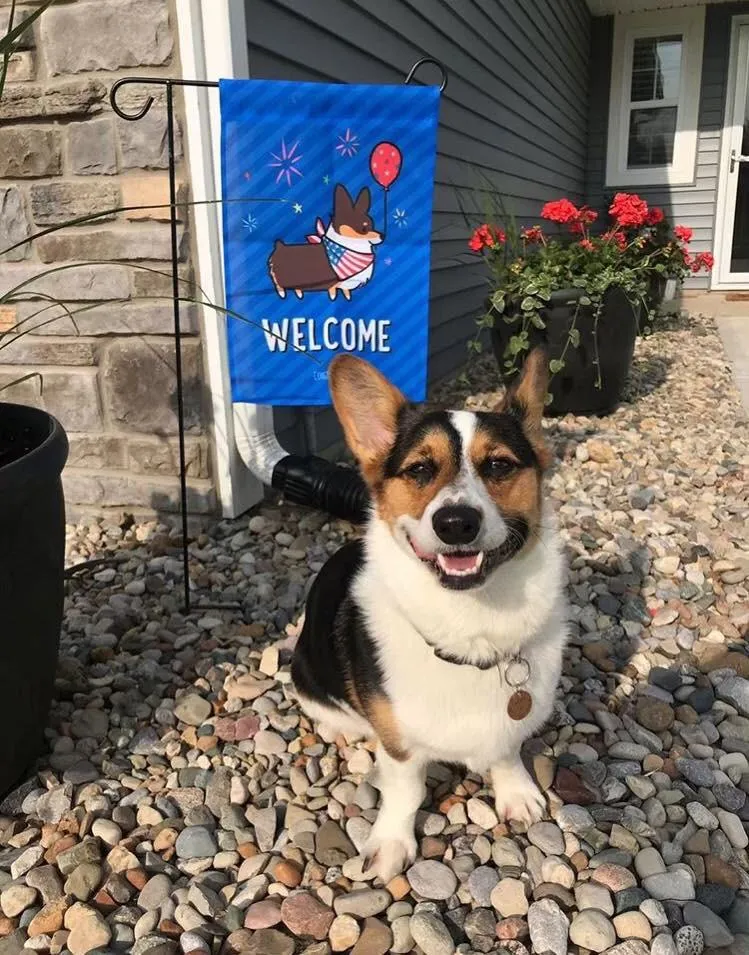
385,856
517,797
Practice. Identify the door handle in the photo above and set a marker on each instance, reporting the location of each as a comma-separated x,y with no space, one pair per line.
737,157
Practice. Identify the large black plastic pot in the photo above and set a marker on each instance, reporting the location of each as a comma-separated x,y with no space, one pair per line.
33,451
575,389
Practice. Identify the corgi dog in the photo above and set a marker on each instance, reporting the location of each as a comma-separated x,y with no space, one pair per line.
441,632
340,257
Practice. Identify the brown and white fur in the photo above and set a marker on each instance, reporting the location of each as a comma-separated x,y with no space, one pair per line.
460,564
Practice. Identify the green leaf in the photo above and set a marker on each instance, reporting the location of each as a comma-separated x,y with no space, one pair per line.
7,41
585,300
528,303
549,398
555,365
498,301
537,320
574,336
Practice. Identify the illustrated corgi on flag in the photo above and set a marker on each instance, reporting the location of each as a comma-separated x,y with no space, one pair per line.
327,207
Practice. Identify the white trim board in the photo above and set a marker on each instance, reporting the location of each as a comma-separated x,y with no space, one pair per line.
690,23
211,47
722,241
602,8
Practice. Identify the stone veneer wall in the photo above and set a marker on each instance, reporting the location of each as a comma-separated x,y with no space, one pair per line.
109,377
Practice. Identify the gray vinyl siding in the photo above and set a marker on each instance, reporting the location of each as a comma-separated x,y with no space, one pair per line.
515,111
692,205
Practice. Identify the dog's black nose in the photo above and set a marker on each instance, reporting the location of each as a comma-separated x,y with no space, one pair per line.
457,524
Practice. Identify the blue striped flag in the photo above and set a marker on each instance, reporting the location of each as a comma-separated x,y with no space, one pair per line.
327,210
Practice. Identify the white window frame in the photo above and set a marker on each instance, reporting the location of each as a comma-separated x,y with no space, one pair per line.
689,22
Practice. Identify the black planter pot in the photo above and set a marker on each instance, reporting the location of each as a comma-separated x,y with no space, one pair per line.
574,389
33,451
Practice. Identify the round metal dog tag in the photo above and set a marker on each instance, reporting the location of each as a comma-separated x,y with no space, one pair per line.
519,705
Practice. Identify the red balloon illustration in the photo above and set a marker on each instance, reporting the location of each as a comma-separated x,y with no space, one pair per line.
385,164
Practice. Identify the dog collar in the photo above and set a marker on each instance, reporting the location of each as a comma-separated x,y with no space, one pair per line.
514,670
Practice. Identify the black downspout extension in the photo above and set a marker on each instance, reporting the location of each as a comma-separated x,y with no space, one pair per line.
315,482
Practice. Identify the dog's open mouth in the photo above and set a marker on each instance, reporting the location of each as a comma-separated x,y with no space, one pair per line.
458,569
463,569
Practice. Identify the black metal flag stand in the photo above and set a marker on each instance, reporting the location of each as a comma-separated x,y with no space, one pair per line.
169,85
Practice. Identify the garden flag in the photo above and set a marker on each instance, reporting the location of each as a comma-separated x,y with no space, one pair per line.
327,213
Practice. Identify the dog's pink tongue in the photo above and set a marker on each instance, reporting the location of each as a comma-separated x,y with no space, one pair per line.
458,562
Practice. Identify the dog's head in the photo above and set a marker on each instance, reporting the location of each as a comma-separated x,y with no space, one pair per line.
459,490
352,219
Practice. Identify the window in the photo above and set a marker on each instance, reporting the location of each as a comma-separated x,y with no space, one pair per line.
655,91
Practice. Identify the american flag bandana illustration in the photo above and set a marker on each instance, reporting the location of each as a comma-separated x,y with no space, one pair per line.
345,262
327,211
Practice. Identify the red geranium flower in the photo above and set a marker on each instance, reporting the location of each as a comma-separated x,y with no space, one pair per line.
618,238
532,234
486,237
655,215
683,233
587,245
703,260
628,210
561,210
587,216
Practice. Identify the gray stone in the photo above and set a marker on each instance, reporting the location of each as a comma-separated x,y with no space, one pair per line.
82,283
73,398
196,842
192,709
642,498
143,145
676,885
735,690
91,149
28,152
362,903
696,771
432,880
332,845
575,819
139,386
548,926
430,934
149,241
481,882
126,34
591,929
689,940
654,912
52,805
71,98
14,224
548,837
155,892
89,723
54,203
590,895
663,944
738,917
77,855
733,827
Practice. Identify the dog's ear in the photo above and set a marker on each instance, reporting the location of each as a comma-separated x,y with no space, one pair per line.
367,406
341,198
363,201
526,400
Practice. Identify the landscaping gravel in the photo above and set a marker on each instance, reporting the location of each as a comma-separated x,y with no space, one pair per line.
186,805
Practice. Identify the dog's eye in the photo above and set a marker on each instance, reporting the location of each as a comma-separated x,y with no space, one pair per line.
499,467
422,472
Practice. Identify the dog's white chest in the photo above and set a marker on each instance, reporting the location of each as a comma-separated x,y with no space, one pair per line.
457,712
